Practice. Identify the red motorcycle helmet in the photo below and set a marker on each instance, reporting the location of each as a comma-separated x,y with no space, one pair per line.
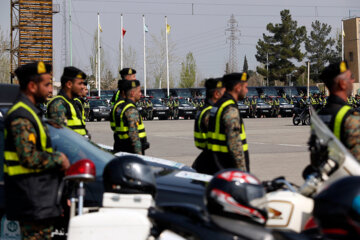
236,195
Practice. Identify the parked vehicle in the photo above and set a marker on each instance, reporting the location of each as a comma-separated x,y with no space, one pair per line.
244,109
99,109
159,109
186,109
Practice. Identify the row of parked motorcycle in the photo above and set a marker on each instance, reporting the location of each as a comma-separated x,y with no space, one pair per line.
237,205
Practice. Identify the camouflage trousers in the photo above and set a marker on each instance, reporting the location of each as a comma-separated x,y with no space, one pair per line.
36,230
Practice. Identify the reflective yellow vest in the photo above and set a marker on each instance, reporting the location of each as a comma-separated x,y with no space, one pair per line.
12,165
113,115
122,129
216,133
200,136
73,121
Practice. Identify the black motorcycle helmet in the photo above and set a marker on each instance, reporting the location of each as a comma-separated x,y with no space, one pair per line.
337,209
129,174
237,195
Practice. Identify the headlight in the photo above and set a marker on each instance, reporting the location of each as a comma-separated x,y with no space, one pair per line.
181,108
167,108
96,110
139,108
292,105
282,106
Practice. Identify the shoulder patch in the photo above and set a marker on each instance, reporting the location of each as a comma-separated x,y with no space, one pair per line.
32,138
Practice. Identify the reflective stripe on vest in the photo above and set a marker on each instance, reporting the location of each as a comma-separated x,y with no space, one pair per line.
339,119
113,113
12,165
82,111
116,97
200,137
220,138
123,130
75,123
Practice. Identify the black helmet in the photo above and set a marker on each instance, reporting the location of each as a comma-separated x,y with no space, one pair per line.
129,174
237,195
337,209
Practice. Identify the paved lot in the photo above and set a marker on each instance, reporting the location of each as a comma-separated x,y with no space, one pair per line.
277,147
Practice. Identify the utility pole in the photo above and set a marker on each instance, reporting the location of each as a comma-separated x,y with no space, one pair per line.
233,38
267,69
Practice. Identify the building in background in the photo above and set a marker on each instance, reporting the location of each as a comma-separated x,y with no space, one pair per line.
31,32
352,45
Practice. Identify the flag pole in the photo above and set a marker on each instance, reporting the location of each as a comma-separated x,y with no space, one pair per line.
121,41
70,33
342,40
98,50
144,55
167,57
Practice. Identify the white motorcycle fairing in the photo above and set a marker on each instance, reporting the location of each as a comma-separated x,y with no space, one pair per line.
123,216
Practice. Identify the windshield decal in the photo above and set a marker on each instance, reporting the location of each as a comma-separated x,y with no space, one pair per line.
194,176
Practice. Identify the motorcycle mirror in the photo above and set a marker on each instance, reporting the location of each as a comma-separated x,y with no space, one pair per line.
309,170
83,170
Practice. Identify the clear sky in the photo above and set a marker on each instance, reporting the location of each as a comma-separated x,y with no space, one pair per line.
196,26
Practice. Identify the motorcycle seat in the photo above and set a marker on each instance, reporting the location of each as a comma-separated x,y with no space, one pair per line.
192,211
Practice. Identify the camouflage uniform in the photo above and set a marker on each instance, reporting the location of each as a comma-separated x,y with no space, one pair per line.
23,135
231,120
58,111
352,134
231,125
132,117
349,124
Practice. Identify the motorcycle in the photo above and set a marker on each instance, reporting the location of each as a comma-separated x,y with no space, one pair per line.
289,206
303,116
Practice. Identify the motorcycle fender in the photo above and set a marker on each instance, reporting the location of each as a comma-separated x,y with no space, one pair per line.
288,210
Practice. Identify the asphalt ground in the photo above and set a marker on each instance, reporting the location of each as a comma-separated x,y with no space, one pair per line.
276,146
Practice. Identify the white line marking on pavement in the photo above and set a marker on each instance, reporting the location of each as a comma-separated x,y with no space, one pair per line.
285,145
291,145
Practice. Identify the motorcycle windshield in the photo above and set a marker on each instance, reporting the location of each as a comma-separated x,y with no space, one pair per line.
77,147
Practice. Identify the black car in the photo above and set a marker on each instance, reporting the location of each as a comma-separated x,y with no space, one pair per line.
243,108
159,109
263,108
186,109
99,109
286,108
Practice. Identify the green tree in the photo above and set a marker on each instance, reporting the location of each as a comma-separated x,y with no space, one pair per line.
319,47
337,50
246,66
188,72
283,48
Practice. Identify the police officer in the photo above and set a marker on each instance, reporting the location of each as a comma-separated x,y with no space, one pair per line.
214,91
32,168
149,109
129,134
120,100
63,108
125,74
80,101
226,132
253,106
170,105
176,108
337,115
276,104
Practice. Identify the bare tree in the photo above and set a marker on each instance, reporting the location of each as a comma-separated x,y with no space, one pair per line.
4,58
129,58
157,61
105,74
